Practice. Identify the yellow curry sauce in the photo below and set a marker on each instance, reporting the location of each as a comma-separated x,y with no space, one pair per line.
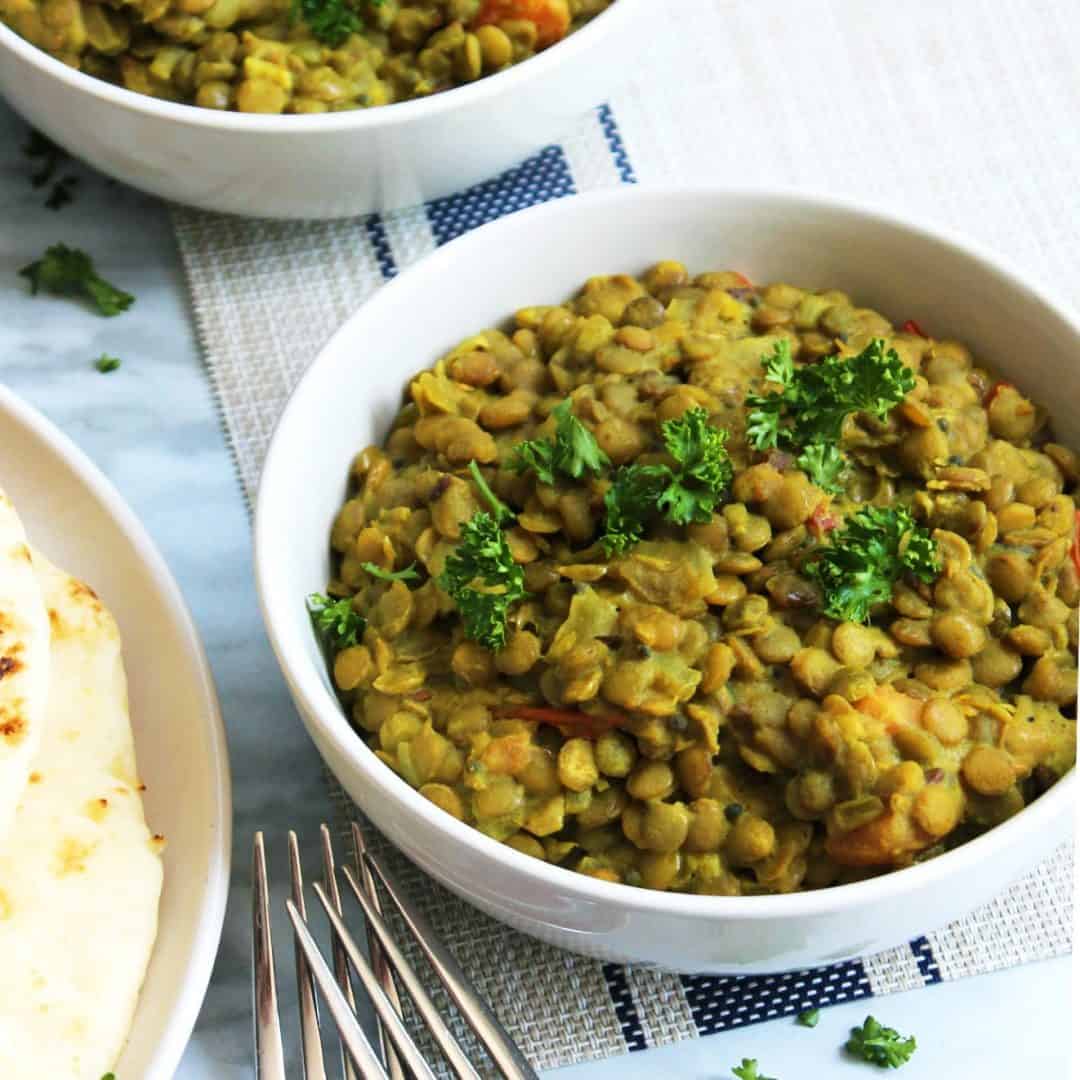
681,715
295,56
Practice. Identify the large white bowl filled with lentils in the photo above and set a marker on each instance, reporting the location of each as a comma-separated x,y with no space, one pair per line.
703,595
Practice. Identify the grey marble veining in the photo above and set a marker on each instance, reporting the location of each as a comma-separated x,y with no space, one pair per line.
152,428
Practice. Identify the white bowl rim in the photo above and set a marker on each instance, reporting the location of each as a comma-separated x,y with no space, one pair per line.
535,68
325,711
204,946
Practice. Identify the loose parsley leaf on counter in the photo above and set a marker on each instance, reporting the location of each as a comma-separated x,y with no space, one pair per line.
748,1070
873,549
70,272
410,573
339,625
807,415
688,493
573,452
809,1018
483,580
106,363
499,510
879,1045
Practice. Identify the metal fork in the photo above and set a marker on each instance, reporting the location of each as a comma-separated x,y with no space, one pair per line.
396,1055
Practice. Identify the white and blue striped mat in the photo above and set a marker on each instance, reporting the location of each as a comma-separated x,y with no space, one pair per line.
267,295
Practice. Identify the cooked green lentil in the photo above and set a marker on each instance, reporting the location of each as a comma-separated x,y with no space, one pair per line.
682,715
258,56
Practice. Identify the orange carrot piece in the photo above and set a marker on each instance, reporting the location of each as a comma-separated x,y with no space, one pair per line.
550,17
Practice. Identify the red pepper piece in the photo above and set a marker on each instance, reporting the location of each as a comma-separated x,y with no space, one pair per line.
994,391
573,723
744,281
912,327
821,521
1074,551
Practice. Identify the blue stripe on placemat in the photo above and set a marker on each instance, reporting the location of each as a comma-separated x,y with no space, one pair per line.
625,1010
720,1002
615,144
926,961
543,177
380,244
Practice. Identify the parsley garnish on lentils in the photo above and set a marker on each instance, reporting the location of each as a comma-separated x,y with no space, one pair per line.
410,573
807,415
483,580
687,493
879,1045
499,510
338,623
331,21
867,556
68,271
573,452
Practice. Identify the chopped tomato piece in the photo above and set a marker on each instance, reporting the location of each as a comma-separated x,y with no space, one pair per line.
1074,551
550,17
912,327
822,522
994,391
744,281
573,723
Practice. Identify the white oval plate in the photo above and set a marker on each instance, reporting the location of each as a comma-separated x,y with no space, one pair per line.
80,521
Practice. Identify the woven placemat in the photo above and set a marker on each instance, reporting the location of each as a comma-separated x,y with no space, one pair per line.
863,99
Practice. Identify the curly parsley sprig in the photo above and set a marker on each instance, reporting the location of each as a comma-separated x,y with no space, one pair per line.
748,1070
867,556
68,271
688,493
573,452
807,415
880,1045
483,580
331,21
339,624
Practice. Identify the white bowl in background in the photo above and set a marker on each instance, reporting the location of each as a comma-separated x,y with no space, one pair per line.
352,391
329,165
79,521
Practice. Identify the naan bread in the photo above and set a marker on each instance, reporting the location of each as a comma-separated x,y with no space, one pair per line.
24,664
80,877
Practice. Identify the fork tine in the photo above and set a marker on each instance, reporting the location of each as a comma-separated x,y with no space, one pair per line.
310,1042
341,960
352,1034
378,958
507,1057
424,1005
269,1056
383,1006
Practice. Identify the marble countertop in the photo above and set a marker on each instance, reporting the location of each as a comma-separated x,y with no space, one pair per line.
152,428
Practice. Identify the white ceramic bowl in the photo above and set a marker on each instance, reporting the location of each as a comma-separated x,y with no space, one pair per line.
332,165
351,392
77,518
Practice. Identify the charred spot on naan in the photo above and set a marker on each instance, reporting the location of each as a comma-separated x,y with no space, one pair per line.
12,723
96,809
84,615
10,662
